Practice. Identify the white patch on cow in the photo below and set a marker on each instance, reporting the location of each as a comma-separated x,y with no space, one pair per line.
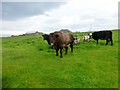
90,34
77,40
86,38
51,44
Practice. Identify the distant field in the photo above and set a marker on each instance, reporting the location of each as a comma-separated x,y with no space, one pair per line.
29,62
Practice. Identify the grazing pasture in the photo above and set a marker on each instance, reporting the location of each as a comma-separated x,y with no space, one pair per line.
29,62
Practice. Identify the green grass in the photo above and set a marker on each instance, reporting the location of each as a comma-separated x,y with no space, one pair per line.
28,62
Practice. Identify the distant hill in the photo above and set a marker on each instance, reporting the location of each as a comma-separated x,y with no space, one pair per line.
65,30
28,33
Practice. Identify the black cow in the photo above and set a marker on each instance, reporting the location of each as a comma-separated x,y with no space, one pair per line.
103,35
47,37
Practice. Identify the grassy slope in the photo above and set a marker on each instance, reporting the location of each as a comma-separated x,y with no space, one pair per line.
28,62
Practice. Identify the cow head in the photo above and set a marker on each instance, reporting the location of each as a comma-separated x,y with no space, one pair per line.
90,35
47,37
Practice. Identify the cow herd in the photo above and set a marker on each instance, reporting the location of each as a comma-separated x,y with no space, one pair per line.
59,40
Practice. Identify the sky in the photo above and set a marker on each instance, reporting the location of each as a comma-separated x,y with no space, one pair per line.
54,15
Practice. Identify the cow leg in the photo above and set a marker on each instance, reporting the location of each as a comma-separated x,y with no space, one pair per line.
57,52
71,45
61,52
88,40
97,41
66,48
111,41
52,47
106,41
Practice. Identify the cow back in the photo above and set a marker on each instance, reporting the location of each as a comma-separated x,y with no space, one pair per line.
62,39
102,35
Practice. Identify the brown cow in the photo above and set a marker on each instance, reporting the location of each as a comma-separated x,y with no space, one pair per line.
62,40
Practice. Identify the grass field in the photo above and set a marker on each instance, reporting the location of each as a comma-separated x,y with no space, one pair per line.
28,62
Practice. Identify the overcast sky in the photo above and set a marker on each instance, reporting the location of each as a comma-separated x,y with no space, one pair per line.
75,15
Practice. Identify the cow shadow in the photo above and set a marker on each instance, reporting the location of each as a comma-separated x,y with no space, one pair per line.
101,44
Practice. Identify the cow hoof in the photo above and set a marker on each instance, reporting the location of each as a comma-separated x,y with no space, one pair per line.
61,57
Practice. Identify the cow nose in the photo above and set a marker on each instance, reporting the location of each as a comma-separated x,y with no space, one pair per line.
51,43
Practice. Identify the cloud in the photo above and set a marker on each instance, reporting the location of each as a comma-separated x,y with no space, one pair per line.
18,10
76,15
